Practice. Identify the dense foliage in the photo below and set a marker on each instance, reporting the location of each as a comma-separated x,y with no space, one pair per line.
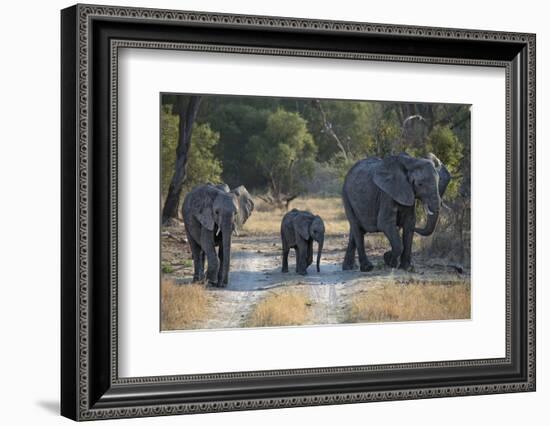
202,166
284,152
280,148
284,145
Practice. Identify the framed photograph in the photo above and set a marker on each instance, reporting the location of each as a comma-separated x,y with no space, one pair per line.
263,212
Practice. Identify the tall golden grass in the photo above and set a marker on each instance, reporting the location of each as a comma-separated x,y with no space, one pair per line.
411,302
183,306
266,220
280,309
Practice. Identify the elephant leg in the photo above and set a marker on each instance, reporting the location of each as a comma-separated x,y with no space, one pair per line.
286,249
309,252
356,242
202,263
349,258
359,239
408,233
392,234
198,273
301,257
388,257
220,270
207,244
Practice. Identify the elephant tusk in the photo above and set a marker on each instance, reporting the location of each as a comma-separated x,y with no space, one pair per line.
218,231
428,211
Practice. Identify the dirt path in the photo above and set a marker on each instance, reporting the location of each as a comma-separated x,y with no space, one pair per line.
235,302
255,268
325,304
255,273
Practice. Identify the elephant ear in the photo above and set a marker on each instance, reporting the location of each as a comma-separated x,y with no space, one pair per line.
206,217
318,223
245,204
444,179
222,186
444,175
201,200
391,178
301,226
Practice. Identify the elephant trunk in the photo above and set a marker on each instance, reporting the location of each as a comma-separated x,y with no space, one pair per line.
319,251
227,228
432,211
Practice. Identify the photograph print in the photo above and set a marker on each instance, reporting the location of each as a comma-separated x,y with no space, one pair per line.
302,212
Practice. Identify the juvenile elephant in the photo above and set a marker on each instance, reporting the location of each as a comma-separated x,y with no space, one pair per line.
380,195
298,230
211,214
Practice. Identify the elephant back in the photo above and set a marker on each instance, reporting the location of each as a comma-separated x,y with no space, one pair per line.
200,197
361,172
294,215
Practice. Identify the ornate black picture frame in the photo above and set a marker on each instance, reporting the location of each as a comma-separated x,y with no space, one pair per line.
91,36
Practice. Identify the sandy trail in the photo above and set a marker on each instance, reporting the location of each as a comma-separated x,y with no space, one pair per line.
234,302
255,273
255,270
325,303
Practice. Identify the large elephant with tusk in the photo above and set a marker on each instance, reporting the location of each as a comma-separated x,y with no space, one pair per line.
379,195
211,214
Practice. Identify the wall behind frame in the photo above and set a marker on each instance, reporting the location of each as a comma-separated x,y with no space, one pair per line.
30,225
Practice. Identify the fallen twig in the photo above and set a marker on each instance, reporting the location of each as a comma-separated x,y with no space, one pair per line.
458,268
178,239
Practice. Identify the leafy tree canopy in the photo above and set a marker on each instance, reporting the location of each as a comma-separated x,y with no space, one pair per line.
284,145
203,165
284,151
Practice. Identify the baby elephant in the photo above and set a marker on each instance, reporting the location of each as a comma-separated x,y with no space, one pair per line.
298,230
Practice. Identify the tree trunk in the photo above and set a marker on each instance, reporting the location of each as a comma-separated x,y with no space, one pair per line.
187,114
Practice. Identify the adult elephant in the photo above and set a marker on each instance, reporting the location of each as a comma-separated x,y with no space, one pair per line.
211,214
299,229
379,196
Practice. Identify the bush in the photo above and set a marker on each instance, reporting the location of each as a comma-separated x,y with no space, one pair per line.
202,164
325,180
285,152
447,240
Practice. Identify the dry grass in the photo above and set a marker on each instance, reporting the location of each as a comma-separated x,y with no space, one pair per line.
412,302
183,306
266,220
280,309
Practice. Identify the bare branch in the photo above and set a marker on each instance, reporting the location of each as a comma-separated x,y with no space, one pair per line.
412,117
289,199
328,128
